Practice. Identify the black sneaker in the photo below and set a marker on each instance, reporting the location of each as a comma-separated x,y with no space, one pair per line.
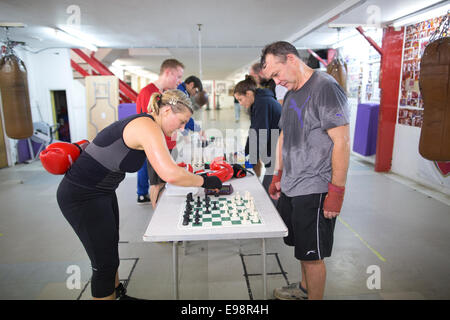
121,293
143,199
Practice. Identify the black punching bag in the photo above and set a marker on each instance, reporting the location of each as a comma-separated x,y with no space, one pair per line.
15,97
434,82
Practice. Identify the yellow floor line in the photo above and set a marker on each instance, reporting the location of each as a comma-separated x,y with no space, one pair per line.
375,252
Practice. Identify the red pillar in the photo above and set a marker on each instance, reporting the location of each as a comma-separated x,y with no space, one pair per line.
391,61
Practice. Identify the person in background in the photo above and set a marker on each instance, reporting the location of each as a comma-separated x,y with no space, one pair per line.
311,167
265,114
191,87
170,76
278,90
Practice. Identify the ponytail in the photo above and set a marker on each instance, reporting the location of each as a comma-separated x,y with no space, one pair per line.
249,84
154,103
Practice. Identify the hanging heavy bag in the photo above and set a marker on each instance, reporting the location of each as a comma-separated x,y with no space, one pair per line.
337,68
434,83
15,98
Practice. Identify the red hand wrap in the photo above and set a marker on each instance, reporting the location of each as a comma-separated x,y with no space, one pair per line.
334,199
275,187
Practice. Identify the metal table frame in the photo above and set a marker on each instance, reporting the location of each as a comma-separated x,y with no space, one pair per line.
164,226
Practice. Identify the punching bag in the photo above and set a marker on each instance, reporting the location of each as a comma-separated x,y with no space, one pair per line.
15,97
337,68
434,83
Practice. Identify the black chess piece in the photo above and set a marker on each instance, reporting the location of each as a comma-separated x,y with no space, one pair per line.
215,206
197,221
189,197
199,202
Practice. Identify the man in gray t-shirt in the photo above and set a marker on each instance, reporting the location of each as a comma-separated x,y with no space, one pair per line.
307,114
311,163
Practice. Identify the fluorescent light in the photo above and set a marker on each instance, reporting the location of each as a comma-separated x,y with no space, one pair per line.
64,36
426,14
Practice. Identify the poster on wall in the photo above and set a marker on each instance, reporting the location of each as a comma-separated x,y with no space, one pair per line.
363,69
220,87
207,87
416,39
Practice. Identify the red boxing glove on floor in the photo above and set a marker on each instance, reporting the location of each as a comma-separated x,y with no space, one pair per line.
275,185
334,199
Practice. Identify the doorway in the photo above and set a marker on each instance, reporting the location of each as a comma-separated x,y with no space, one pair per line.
60,115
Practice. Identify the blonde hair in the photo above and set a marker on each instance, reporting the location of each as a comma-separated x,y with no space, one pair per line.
177,100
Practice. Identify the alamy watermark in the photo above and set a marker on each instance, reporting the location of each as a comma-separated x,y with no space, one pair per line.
73,281
374,280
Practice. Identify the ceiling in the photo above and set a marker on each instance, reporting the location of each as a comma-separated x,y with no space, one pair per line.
232,32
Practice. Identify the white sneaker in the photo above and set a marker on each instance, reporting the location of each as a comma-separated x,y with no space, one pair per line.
291,292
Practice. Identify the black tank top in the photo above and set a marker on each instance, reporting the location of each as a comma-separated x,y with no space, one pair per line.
103,164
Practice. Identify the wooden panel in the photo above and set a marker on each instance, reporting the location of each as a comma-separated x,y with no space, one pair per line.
102,99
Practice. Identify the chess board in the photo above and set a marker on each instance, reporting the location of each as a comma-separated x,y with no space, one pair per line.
220,215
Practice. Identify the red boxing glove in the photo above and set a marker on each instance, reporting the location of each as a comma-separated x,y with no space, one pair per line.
59,156
275,185
222,169
334,199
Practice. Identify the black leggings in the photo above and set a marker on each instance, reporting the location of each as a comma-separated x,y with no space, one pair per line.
94,216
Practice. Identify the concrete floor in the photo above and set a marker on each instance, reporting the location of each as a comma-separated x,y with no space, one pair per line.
387,224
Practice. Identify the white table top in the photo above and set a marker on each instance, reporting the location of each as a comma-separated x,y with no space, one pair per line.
164,224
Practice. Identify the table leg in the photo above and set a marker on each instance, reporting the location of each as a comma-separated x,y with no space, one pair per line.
263,253
175,268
